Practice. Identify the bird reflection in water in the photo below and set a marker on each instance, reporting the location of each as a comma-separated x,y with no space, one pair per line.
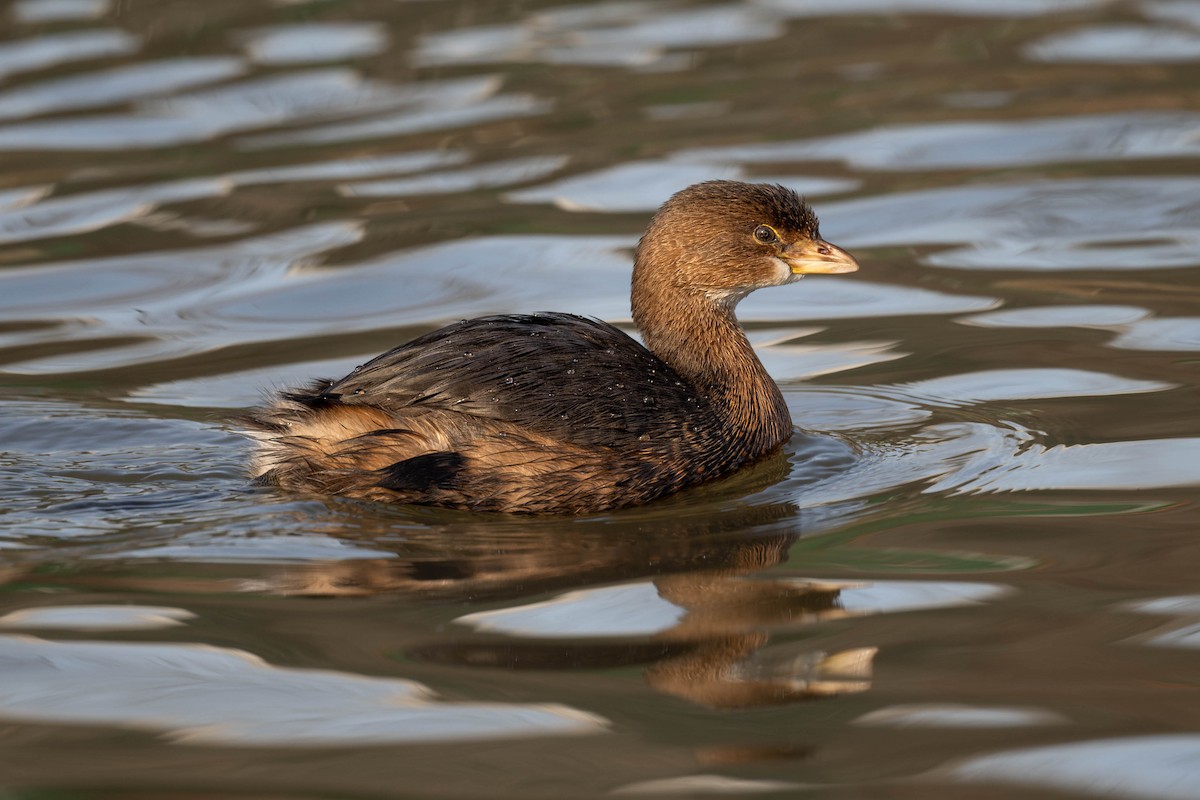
716,653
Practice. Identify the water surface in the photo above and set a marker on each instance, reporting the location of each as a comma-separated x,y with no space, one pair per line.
972,572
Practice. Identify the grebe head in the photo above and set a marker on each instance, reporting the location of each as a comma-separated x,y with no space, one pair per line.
724,239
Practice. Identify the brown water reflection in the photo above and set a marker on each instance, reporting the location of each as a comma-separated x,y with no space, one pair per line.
978,562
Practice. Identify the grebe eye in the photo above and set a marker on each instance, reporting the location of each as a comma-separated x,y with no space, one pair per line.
766,234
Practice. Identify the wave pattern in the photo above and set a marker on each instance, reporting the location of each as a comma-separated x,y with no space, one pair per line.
991,495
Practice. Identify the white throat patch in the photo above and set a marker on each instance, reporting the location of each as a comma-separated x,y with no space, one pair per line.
783,272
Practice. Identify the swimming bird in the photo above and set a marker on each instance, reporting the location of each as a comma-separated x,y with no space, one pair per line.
564,414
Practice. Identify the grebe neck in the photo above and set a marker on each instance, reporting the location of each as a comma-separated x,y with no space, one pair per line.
700,338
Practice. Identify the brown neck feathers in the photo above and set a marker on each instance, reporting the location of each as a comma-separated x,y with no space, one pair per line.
700,338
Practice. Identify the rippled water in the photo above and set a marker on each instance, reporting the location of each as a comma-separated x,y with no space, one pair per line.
972,574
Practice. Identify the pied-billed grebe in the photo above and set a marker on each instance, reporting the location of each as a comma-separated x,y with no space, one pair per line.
556,413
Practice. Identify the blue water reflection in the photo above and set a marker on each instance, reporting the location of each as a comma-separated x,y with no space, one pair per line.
203,695
1119,44
983,145
27,55
1158,767
313,43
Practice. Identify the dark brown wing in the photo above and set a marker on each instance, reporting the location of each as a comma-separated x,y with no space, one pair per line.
561,375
